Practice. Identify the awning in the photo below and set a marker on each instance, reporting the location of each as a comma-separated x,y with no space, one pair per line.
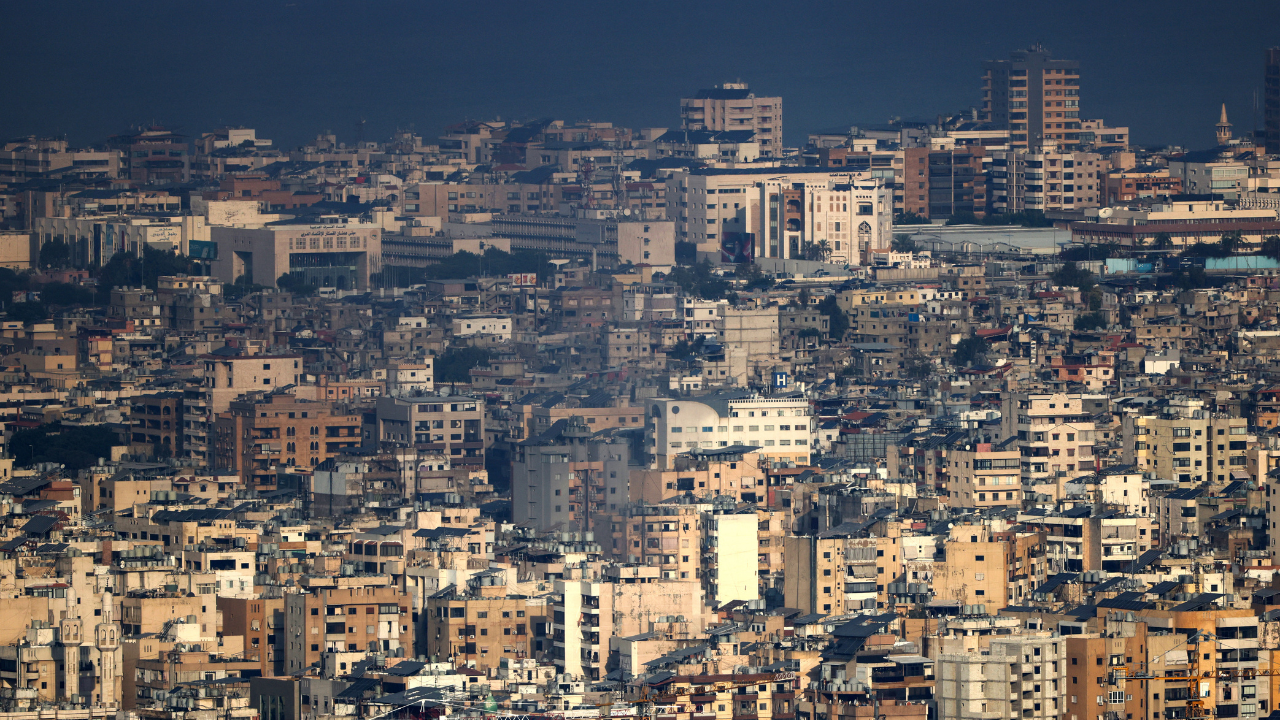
909,659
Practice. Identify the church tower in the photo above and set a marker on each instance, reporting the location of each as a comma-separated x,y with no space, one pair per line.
1223,127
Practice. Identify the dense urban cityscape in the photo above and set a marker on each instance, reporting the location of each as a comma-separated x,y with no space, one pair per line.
968,418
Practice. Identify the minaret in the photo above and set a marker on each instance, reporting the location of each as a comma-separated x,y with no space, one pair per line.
1224,127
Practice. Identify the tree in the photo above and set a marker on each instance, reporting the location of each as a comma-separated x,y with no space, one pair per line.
804,298
129,270
1091,252
296,283
686,253
837,321
1230,242
822,250
1162,241
55,254
684,349
916,365
76,447
910,218
753,275
456,363
1191,279
1072,275
28,312
1096,320
241,287
66,294
963,218
903,243
969,351
698,280
1271,247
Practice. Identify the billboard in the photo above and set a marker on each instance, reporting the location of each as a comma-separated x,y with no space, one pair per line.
780,379
737,247
523,279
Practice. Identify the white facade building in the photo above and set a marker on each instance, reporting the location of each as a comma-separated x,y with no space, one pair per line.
779,427
483,325
736,215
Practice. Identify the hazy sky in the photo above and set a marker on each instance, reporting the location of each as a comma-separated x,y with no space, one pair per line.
295,68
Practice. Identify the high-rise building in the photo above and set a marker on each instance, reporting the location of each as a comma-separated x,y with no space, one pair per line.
1271,101
732,106
1034,97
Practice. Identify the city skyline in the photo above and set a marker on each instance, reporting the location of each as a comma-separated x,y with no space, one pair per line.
293,70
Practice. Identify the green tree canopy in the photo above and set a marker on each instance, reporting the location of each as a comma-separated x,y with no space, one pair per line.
456,363
837,321
76,447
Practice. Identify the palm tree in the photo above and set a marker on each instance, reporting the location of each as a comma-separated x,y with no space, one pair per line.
822,250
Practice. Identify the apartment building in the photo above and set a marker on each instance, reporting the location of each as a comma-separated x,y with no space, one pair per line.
975,569
153,156
484,623
733,472
1075,541
1055,433
452,425
742,214
1033,96
1181,440
1022,676
562,478
1128,185
1216,171
778,427
736,696
667,536
156,424
1047,178
730,546
262,433
41,158
840,572
732,106
626,600
226,375
258,620
981,476
353,619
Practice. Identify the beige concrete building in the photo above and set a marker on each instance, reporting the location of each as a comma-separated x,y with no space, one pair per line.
372,619
328,252
1021,676
974,572
1055,433
227,377
626,600
1033,96
732,106
732,215
981,476
835,573
1182,441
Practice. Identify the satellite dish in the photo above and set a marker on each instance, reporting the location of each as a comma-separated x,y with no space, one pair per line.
1106,212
